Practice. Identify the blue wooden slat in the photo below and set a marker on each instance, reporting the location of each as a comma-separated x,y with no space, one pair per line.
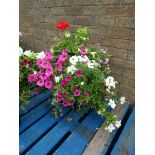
77,141
126,107
35,101
55,135
126,141
34,115
28,137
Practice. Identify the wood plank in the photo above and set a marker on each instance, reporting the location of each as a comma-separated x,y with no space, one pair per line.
102,139
31,135
126,142
78,140
34,102
35,114
45,145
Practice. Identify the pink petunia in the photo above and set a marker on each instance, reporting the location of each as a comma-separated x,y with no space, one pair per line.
59,64
104,62
83,51
39,62
36,92
68,78
39,73
66,51
59,96
40,83
63,83
79,73
59,61
45,64
48,55
76,92
32,78
49,71
65,96
43,77
65,103
59,67
71,102
48,84
86,93
64,56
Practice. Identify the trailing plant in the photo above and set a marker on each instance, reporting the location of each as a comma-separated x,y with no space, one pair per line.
77,73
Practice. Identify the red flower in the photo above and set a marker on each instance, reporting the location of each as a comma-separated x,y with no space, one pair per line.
104,86
86,93
75,88
68,78
79,73
106,96
25,62
62,25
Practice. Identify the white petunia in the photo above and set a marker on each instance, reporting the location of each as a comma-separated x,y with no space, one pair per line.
90,65
20,51
28,53
108,90
73,60
67,34
99,112
110,128
40,55
85,59
57,78
108,68
104,51
82,83
51,50
95,63
118,124
34,72
110,82
93,53
122,100
83,38
80,59
106,60
71,69
112,103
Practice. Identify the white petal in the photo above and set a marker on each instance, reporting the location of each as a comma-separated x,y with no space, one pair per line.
40,55
118,124
111,127
20,51
57,78
122,100
82,83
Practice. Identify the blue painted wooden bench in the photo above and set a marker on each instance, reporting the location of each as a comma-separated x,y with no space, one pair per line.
70,134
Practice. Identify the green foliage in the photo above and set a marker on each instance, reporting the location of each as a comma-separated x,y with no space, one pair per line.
96,92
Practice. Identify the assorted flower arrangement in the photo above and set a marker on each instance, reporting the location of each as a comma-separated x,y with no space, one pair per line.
76,72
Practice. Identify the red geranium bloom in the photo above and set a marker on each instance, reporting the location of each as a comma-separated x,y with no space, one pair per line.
62,25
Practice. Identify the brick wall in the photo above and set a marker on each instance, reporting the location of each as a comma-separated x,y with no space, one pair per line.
111,23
